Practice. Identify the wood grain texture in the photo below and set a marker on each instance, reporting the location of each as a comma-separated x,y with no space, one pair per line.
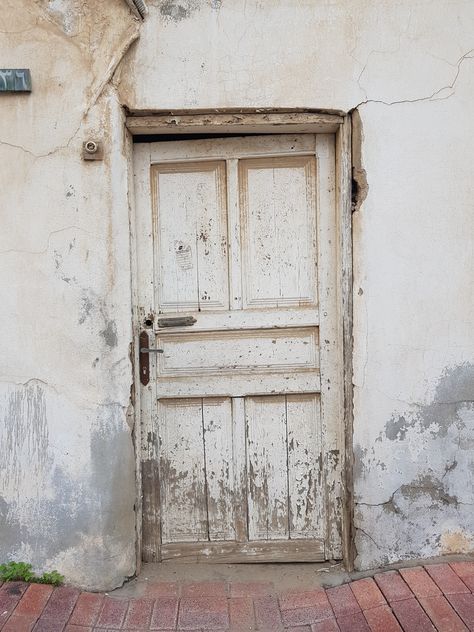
241,385
258,350
143,266
344,207
219,467
248,122
244,414
250,552
182,471
305,467
278,224
191,236
267,458
151,517
331,343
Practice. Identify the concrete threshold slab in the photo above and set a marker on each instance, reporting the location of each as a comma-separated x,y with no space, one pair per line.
284,577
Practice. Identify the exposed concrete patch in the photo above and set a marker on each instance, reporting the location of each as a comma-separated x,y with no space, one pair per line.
86,308
455,390
429,451
109,334
75,519
67,15
178,10
91,309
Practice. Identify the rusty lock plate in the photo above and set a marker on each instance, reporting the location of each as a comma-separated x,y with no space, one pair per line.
144,358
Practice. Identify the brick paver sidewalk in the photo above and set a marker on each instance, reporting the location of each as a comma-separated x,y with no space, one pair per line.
419,599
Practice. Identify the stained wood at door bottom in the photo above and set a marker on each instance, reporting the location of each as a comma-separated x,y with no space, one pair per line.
250,552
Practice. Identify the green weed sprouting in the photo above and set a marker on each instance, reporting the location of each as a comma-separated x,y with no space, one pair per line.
21,571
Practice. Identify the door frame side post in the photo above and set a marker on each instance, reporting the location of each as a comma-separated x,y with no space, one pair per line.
134,351
345,270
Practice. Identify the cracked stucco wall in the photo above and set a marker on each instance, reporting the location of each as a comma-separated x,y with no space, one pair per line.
67,487
67,484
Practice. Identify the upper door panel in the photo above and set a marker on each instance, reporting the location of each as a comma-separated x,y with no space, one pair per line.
278,219
190,211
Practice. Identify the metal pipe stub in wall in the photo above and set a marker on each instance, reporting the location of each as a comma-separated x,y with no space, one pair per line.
138,6
141,7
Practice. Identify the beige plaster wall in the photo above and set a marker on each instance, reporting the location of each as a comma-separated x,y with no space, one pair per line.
67,483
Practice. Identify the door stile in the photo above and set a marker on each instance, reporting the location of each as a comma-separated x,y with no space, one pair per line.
239,453
233,231
288,497
345,283
205,465
330,347
151,538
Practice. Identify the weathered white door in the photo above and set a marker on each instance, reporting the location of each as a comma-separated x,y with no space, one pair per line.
237,286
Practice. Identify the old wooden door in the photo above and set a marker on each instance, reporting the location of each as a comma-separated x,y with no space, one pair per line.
241,418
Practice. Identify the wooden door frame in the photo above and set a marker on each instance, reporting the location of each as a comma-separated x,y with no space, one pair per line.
259,122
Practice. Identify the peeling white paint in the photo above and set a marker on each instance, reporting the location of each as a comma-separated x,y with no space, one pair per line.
67,493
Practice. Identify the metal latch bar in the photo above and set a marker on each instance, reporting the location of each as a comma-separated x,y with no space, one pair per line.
179,321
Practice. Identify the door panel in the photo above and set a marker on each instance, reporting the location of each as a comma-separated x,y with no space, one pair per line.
283,478
278,218
267,468
237,399
284,467
191,236
196,469
218,448
305,472
262,350
182,471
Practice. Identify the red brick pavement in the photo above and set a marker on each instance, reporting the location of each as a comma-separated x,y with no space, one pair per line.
420,599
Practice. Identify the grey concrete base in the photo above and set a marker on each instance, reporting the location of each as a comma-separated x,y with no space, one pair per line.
284,576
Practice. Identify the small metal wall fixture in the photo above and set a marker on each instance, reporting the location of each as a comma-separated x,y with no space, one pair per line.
92,150
15,80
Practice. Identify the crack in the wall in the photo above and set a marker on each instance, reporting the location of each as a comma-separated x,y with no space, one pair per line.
380,52
428,483
100,83
46,248
48,153
430,508
368,536
431,97
387,504
111,70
